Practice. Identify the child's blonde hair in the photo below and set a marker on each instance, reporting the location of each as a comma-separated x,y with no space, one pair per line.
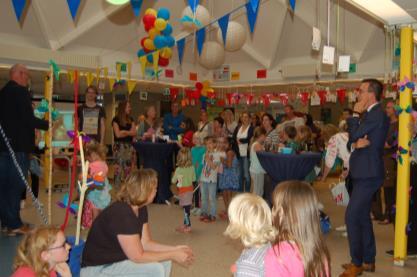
184,157
250,220
99,149
296,217
304,133
30,249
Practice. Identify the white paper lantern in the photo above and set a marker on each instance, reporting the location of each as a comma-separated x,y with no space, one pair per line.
201,14
235,37
212,56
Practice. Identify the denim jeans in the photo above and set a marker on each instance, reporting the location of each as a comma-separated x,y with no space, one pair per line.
208,195
244,174
129,268
11,188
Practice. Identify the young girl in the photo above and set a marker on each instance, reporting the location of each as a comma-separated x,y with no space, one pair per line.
197,154
184,177
43,252
97,198
256,171
250,221
229,179
304,138
299,249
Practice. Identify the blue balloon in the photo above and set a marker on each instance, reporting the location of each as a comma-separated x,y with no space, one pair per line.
170,41
163,13
141,53
168,30
160,42
150,58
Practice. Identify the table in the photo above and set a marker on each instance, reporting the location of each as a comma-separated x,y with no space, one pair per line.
158,156
283,167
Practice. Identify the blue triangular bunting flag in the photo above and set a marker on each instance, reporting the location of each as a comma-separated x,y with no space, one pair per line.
73,6
252,16
19,6
180,46
254,4
193,5
201,36
223,23
292,4
136,6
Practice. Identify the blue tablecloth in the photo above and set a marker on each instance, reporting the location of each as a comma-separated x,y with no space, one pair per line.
283,167
158,156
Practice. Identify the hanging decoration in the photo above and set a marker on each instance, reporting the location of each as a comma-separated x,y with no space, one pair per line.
252,15
192,21
406,83
283,97
19,6
193,5
292,4
173,93
223,24
212,55
73,6
201,36
136,6
233,37
341,95
304,97
322,94
399,109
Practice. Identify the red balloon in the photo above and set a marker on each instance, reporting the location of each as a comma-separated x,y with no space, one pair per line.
163,61
142,42
199,86
146,50
148,27
149,20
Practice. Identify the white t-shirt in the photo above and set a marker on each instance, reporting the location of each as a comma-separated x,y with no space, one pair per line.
209,175
243,147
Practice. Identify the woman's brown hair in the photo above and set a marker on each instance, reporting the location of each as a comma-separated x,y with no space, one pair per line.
121,115
137,187
295,215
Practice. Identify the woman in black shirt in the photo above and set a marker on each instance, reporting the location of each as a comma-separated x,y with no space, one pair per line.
124,130
120,243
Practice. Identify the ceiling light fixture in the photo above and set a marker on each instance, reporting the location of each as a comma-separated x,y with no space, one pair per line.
386,11
117,2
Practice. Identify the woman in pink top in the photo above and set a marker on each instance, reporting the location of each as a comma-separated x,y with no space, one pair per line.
43,252
299,249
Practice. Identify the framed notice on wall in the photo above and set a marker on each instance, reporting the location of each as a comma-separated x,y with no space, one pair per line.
222,74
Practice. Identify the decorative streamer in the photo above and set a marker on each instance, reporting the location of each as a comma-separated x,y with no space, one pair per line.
19,6
292,4
180,46
129,70
193,5
143,60
252,15
131,84
112,81
73,6
119,71
254,4
136,6
223,24
98,70
155,62
89,77
201,36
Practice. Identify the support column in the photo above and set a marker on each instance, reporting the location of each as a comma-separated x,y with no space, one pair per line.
404,137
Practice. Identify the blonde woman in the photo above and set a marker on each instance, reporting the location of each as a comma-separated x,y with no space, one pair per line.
184,177
251,222
299,249
43,252
120,242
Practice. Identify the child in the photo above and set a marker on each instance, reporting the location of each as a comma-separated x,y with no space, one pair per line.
304,138
43,252
229,179
289,136
250,221
256,171
299,249
197,154
189,129
184,177
208,178
97,198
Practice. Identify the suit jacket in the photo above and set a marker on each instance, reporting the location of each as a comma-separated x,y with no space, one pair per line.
17,118
368,162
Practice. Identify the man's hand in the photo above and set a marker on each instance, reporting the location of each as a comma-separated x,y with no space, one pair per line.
359,107
363,142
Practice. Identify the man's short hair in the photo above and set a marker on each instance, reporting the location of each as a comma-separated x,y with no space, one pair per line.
220,120
93,88
376,87
289,106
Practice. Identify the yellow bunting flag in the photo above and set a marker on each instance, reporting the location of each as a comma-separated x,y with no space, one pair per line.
119,71
155,62
71,76
143,60
90,78
98,70
129,70
131,84
106,72
112,81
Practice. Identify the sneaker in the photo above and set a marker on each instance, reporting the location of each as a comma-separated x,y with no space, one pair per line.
203,217
210,219
341,228
410,253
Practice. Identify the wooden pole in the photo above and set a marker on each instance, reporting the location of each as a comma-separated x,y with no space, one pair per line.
47,174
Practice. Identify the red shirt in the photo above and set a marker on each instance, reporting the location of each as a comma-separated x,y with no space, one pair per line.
25,271
187,140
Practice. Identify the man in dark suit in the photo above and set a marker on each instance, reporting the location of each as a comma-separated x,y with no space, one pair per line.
18,122
367,129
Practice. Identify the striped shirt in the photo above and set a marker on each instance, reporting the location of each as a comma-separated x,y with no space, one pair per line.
251,262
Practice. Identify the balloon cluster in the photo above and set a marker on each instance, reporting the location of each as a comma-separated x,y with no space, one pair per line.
160,36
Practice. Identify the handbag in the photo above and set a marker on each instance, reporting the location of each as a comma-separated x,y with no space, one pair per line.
339,193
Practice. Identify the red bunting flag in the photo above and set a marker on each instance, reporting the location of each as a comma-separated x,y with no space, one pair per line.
173,92
304,97
283,97
341,95
322,94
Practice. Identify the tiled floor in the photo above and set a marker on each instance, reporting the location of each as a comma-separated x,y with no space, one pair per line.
214,252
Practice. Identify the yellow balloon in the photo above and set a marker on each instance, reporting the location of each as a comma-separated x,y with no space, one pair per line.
151,11
160,24
148,43
210,90
153,33
166,53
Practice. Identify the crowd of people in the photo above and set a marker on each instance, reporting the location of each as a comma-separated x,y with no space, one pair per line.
220,154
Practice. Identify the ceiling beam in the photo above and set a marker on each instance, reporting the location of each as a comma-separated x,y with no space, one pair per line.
87,26
255,55
45,29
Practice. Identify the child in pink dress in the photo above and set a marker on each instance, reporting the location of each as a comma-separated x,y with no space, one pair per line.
296,217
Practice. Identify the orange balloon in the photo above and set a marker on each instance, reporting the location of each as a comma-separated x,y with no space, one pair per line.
153,33
148,43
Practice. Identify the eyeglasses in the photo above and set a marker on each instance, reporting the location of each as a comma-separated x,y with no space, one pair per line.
58,247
